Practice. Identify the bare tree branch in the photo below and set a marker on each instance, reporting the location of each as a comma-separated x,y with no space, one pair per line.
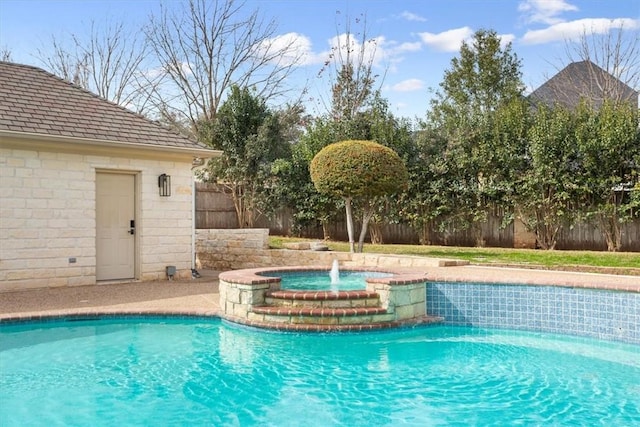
64,62
351,69
612,64
108,63
617,52
211,46
5,54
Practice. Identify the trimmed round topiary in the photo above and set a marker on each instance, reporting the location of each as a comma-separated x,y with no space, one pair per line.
354,169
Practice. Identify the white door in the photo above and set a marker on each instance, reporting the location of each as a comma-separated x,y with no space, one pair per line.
115,223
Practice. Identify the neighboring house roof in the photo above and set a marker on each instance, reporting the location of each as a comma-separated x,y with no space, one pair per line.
579,80
36,102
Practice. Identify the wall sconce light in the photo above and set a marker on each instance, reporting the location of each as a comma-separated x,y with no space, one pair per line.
164,185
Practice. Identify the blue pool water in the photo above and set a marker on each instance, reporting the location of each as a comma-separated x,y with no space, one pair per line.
321,281
154,371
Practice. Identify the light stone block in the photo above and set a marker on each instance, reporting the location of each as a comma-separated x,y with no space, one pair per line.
419,310
240,310
404,312
400,297
419,295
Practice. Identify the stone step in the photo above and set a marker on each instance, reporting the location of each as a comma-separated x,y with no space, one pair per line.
322,299
317,312
256,321
339,303
314,317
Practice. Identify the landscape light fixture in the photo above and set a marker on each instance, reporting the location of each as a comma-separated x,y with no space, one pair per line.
164,185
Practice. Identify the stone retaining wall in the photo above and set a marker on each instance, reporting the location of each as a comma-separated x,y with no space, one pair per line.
235,249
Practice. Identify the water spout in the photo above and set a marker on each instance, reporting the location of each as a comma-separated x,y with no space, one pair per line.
335,273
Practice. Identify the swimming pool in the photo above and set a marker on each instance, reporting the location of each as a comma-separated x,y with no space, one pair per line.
179,371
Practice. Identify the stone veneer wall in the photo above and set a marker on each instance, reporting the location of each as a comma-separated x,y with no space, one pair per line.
406,301
234,249
48,217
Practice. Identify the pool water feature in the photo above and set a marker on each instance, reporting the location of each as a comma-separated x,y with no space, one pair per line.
334,274
321,281
303,299
146,371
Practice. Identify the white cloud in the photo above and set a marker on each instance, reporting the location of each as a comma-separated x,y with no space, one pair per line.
408,47
347,45
447,41
412,16
505,39
297,48
409,85
545,11
575,29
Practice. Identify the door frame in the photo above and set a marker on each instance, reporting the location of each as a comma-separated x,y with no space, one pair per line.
137,218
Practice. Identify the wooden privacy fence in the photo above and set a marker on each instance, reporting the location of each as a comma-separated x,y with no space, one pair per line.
214,209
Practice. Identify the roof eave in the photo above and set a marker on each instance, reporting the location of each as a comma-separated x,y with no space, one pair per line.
49,142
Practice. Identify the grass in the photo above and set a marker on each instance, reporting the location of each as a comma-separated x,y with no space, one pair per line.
619,262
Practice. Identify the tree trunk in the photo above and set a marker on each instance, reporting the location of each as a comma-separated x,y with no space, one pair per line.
424,233
546,230
366,217
326,232
479,236
243,202
612,231
375,232
347,204
238,203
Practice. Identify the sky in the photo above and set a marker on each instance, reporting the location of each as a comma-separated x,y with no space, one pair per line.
415,40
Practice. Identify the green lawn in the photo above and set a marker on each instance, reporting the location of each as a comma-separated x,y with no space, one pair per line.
621,262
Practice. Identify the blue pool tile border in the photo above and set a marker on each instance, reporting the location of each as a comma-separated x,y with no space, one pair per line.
601,314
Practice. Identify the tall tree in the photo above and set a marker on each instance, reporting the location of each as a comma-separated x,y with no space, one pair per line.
608,142
483,79
207,47
249,135
357,112
549,185
358,170
351,70
383,127
425,204
292,183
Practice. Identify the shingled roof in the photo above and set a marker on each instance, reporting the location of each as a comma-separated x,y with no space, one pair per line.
580,80
33,101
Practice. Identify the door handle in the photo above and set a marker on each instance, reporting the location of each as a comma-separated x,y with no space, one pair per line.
132,227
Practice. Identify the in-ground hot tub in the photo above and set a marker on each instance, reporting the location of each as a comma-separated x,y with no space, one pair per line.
387,298
335,281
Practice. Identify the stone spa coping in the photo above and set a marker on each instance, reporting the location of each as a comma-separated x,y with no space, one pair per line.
253,276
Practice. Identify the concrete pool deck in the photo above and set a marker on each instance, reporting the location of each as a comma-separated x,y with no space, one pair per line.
200,297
